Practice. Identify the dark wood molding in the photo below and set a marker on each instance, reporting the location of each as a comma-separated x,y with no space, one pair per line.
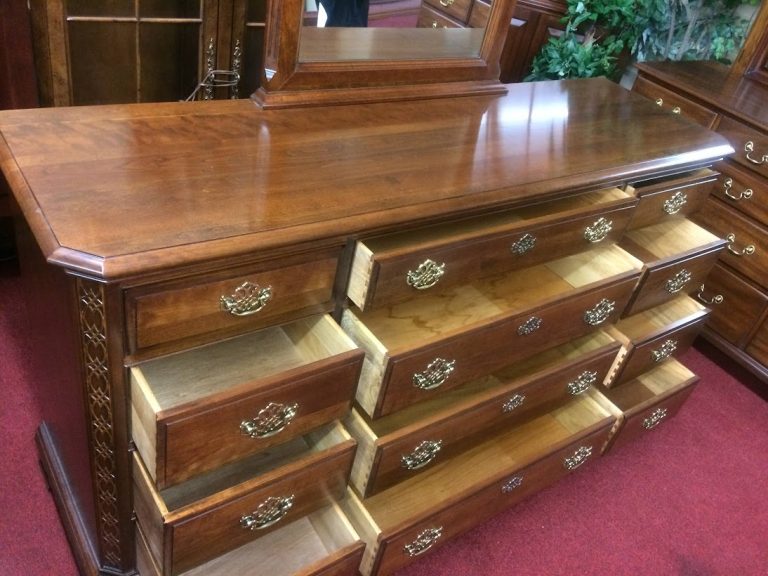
17,67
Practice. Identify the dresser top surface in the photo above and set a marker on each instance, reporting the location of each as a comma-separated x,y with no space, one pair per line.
123,190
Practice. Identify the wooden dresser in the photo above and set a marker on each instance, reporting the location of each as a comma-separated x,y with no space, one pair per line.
737,210
284,342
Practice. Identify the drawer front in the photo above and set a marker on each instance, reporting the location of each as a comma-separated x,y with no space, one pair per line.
488,348
674,103
747,248
230,304
758,347
736,305
473,422
679,197
398,550
742,190
750,144
430,18
478,17
458,9
516,248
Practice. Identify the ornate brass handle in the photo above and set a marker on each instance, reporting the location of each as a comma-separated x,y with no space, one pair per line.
435,375
247,299
746,194
716,299
426,275
600,312
673,204
514,402
582,382
529,326
598,231
659,101
578,458
269,512
664,351
524,244
270,420
676,110
423,542
655,418
748,250
678,281
446,3
422,455
512,484
749,147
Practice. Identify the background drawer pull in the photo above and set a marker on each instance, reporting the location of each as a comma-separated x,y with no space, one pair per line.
578,458
529,326
515,402
659,101
655,418
600,312
598,231
512,484
524,244
424,541
435,375
678,281
746,251
269,512
673,204
749,147
716,299
422,455
582,382
426,275
676,110
270,420
746,194
248,299
446,3
664,351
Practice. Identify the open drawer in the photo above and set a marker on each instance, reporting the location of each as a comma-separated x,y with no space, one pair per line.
238,503
197,410
396,267
408,442
432,343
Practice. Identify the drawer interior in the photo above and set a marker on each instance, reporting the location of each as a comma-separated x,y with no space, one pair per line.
670,239
650,387
662,318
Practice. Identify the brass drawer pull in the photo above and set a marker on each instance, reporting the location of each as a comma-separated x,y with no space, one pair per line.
247,299
446,3
676,110
678,281
673,204
748,250
524,244
716,299
270,420
664,351
746,194
512,484
514,402
659,101
422,455
749,147
426,275
655,418
582,382
423,542
268,513
529,326
598,231
600,312
435,375
578,458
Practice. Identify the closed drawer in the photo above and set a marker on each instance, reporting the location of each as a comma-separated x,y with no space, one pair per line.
751,145
421,347
650,400
742,190
656,335
396,267
758,347
736,305
458,9
197,410
675,103
431,18
410,519
747,242
330,547
677,254
194,522
229,303
478,17
407,443
662,199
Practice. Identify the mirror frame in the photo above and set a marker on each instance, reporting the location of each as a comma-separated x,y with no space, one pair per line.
286,81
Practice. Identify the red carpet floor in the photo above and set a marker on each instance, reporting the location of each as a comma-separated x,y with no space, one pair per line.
688,499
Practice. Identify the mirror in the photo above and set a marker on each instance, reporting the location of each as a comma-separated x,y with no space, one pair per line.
306,64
